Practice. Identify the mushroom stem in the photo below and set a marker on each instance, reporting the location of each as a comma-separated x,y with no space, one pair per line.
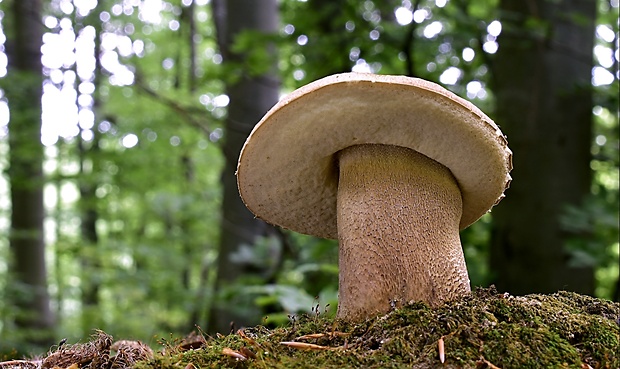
398,216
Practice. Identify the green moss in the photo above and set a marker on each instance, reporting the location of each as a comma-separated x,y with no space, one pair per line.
564,330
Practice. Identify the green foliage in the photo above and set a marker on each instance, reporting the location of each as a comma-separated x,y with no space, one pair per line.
257,58
301,275
595,224
475,240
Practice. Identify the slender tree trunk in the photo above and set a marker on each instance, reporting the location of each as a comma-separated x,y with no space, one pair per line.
197,309
184,222
541,78
250,98
24,90
89,255
191,10
89,152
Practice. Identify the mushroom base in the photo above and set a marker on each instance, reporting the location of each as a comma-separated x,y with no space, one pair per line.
398,229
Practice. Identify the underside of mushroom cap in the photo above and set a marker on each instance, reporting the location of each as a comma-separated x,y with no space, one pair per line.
287,172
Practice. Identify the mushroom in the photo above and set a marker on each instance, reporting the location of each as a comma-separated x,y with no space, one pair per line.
391,166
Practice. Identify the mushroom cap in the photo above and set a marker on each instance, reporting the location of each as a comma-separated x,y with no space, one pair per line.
287,172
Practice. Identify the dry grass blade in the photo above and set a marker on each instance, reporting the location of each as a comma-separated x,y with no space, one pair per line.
192,341
128,353
251,341
72,366
440,348
247,353
232,353
321,335
488,363
305,346
20,364
312,336
95,353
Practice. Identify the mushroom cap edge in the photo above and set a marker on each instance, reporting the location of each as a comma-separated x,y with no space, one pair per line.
287,174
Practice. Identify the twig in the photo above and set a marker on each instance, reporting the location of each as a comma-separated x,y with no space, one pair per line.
172,104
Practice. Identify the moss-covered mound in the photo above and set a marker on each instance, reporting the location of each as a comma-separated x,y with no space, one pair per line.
483,330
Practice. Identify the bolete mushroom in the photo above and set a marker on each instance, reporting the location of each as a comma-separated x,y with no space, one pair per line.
391,166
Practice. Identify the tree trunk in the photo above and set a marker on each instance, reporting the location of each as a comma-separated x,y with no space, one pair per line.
89,255
250,98
541,78
89,153
24,90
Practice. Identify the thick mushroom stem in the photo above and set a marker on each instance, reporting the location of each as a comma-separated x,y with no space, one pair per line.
398,229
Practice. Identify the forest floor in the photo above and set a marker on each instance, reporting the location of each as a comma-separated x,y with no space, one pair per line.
483,330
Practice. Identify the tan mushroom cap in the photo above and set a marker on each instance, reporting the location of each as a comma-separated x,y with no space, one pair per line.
287,172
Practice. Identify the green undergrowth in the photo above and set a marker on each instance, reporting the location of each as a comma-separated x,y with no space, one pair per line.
482,330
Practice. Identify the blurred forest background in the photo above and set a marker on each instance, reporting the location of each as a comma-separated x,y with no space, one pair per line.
121,123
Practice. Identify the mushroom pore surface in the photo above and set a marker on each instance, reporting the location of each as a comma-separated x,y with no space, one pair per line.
398,215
